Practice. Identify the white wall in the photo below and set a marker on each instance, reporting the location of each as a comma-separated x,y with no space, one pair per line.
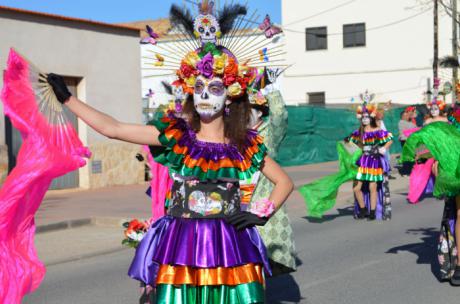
396,61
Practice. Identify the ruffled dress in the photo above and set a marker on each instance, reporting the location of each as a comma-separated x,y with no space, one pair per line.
443,142
373,167
192,255
371,164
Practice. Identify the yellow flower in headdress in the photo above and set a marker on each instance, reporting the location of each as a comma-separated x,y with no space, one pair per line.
235,89
219,63
192,59
190,81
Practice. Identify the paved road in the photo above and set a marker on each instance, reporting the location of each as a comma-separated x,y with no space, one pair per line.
341,261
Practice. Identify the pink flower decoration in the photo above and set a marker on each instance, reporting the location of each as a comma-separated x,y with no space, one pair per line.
262,208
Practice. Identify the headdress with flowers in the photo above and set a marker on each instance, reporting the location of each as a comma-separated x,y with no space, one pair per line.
440,103
367,105
205,45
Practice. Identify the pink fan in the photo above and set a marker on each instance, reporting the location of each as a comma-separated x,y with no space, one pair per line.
152,36
50,148
269,29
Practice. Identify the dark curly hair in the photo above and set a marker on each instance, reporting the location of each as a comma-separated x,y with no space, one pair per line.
235,123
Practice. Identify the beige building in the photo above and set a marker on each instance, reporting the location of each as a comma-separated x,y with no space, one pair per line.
101,64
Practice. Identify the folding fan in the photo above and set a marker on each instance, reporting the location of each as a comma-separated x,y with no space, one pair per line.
50,148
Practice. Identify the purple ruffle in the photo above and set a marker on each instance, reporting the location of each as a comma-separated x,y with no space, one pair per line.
207,150
201,243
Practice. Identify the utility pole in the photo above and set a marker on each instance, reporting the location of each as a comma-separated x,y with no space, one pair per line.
454,50
435,51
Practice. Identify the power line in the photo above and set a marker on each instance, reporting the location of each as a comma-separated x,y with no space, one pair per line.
367,30
322,12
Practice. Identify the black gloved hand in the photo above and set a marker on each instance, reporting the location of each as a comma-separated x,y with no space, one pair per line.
244,219
139,157
59,87
406,168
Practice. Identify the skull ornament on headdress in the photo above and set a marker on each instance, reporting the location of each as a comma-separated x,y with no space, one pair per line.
367,107
206,26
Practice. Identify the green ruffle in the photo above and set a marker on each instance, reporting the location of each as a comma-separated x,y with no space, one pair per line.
443,141
166,156
369,177
320,195
250,293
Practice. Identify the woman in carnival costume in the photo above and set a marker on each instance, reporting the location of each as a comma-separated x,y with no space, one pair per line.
269,117
371,187
361,159
421,181
206,249
442,140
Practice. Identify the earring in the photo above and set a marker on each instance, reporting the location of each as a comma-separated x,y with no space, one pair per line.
227,108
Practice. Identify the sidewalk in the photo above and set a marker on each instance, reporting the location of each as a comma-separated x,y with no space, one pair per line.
74,224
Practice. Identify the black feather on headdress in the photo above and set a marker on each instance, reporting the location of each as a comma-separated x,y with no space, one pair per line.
228,15
449,62
181,17
167,87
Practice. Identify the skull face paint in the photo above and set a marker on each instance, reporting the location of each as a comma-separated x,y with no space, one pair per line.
207,28
209,97
434,111
366,120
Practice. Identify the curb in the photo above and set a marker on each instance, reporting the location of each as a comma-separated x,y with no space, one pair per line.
86,256
76,223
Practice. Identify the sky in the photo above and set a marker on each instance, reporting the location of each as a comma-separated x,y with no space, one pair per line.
118,11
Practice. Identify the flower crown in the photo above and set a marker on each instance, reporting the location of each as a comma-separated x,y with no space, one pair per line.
210,61
366,108
441,104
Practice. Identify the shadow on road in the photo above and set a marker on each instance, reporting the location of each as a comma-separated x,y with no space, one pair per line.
283,288
348,211
425,249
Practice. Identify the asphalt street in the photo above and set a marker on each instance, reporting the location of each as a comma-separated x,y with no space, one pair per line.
340,261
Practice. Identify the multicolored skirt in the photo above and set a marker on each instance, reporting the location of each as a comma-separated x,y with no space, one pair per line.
371,168
383,208
201,261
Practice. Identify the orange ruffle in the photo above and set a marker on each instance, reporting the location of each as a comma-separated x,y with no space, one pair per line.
179,275
372,171
247,191
190,162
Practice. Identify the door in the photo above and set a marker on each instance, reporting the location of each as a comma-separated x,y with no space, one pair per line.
14,140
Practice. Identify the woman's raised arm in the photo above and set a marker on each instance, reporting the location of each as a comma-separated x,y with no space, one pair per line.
112,128
101,122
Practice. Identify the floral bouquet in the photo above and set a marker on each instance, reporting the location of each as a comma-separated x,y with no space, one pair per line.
134,232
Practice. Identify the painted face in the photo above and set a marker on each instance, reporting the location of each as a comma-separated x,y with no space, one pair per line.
434,111
207,28
365,120
209,97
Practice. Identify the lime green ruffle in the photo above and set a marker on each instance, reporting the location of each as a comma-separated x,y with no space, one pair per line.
250,293
443,141
320,195
369,177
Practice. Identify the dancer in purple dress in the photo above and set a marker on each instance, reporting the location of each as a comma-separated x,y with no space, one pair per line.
372,197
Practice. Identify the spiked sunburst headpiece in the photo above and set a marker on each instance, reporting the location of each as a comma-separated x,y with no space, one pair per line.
217,42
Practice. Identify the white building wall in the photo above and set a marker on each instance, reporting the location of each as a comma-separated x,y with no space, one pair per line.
396,61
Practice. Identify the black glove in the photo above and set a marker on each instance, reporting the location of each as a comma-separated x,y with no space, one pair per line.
59,87
244,219
139,157
406,168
